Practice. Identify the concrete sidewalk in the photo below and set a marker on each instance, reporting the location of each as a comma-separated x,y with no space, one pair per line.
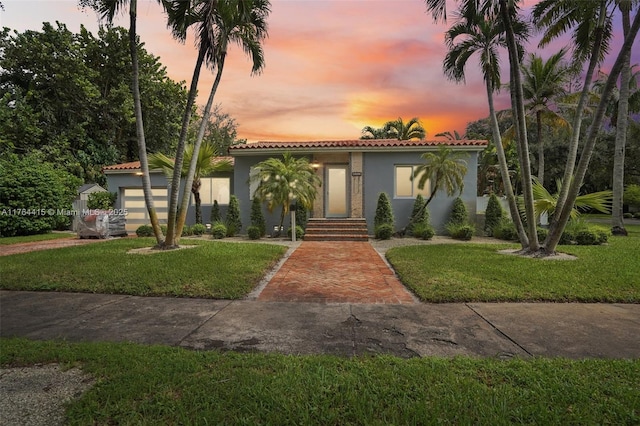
477,329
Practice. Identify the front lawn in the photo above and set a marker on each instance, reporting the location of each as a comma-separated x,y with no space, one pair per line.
212,269
478,273
151,385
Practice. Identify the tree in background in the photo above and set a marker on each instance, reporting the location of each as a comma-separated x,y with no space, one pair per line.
398,129
221,131
369,132
281,182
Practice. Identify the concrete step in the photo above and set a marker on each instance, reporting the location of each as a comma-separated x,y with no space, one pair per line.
336,237
347,229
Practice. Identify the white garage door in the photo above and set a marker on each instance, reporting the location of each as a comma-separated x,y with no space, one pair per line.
133,202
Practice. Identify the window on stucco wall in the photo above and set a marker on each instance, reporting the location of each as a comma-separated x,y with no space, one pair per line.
216,188
406,186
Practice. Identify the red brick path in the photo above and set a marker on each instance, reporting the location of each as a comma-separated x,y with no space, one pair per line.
350,272
6,250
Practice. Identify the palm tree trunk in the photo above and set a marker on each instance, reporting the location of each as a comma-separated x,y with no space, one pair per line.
555,230
504,170
173,230
142,145
583,164
540,147
617,222
196,146
198,201
521,126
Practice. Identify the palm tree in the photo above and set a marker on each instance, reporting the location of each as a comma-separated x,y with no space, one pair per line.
207,163
369,132
243,22
544,80
397,129
455,136
107,10
559,16
285,181
445,169
484,35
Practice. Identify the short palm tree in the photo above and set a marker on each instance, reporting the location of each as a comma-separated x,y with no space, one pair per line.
208,162
369,132
455,136
281,182
398,129
445,169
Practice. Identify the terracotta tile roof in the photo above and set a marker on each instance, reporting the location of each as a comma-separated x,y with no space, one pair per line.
135,165
350,144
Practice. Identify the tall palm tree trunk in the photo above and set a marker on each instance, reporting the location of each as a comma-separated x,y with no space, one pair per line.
540,147
196,146
521,126
142,145
504,170
555,228
581,170
173,230
617,223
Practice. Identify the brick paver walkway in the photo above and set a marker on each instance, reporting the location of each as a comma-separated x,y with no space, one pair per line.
349,272
9,249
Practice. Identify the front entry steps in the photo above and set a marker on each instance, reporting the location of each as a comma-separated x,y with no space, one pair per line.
351,229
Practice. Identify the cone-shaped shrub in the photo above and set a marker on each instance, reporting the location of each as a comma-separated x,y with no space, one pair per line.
257,217
493,215
215,213
384,213
301,216
458,212
417,216
233,217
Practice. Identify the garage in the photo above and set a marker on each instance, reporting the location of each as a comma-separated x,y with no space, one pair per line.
134,205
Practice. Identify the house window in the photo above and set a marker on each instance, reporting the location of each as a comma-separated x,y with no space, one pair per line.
216,188
406,186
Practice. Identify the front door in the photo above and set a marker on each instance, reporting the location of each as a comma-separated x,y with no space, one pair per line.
336,191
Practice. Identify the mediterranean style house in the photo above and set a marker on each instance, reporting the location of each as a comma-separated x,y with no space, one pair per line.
353,174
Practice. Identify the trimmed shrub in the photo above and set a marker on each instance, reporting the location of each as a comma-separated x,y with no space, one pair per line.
101,200
163,228
628,215
299,232
187,231
587,237
636,215
566,238
459,214
603,234
198,229
257,218
144,231
254,232
460,231
384,231
417,216
493,215
542,234
215,213
384,212
302,216
423,231
35,197
505,230
232,221
218,230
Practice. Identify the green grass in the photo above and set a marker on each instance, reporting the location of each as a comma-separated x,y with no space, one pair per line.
31,238
478,273
149,385
212,269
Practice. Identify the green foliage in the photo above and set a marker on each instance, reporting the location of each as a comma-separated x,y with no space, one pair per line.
299,232
215,212
302,216
384,212
418,214
233,222
383,231
542,233
632,196
254,232
163,228
144,231
218,230
77,110
460,231
198,229
187,231
505,230
423,230
581,232
459,215
493,214
257,217
32,194
102,200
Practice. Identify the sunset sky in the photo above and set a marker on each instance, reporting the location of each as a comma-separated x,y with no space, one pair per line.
332,66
